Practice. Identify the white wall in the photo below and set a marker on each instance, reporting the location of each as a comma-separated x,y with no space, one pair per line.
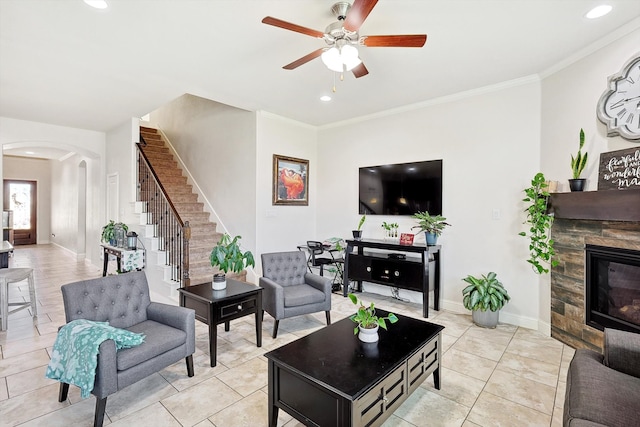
65,187
281,227
39,170
489,143
120,159
569,99
88,146
218,144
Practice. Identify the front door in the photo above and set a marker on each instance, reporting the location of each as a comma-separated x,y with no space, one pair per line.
20,197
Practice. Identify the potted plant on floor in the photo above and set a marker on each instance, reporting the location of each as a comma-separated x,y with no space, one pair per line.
368,322
432,225
227,256
577,166
357,233
484,296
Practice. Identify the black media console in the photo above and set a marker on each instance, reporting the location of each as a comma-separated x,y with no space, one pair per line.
387,267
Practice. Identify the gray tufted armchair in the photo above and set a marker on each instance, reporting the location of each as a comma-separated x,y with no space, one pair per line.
290,290
124,302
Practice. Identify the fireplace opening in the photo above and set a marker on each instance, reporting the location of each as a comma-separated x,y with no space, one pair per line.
612,288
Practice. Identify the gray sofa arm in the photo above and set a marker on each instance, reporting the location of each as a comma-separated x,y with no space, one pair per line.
106,382
177,317
321,283
272,298
622,351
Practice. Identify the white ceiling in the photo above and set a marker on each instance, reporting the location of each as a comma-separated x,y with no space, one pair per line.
63,62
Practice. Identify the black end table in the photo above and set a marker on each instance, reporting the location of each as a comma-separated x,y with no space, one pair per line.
215,307
330,378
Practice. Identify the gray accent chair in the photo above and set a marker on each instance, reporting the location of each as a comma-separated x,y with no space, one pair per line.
290,290
604,390
123,301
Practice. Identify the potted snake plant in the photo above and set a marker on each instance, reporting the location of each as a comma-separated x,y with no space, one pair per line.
578,164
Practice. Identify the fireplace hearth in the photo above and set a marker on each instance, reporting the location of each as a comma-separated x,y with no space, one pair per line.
612,288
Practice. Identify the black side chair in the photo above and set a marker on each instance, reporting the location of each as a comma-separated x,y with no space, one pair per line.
316,259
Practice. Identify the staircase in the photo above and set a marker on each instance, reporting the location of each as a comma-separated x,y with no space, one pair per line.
203,232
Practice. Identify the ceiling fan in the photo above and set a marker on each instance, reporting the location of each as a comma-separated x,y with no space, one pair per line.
342,37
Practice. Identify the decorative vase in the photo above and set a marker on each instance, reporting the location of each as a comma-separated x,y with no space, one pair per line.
219,282
357,234
485,319
577,184
368,335
432,238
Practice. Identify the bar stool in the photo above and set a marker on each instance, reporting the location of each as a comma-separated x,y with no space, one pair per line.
13,275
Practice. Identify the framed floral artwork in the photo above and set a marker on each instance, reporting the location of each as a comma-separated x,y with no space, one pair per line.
290,181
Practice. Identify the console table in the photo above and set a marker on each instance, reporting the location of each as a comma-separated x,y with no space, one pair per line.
132,259
380,268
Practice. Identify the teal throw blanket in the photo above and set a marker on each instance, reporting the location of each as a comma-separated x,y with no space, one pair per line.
75,352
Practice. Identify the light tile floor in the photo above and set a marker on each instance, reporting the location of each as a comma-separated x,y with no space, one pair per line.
508,376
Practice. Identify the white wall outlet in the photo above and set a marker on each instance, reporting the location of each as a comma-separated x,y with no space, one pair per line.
496,214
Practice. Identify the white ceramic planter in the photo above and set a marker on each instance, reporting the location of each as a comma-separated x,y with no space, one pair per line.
368,335
219,282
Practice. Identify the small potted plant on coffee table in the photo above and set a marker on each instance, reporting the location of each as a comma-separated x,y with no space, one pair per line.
368,322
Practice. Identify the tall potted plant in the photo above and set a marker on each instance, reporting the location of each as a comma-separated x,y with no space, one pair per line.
432,225
578,164
484,296
227,256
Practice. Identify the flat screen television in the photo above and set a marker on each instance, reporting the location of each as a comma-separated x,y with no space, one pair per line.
401,189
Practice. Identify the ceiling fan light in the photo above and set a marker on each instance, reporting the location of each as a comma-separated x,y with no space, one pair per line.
332,59
348,52
352,63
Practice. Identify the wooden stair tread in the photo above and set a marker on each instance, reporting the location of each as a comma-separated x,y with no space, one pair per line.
204,235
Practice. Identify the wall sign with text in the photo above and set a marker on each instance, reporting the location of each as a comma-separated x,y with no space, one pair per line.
619,170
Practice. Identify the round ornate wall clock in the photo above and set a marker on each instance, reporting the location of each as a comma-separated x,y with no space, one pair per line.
619,105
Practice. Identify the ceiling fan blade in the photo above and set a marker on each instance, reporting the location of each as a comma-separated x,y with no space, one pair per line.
304,59
269,20
360,70
358,13
406,40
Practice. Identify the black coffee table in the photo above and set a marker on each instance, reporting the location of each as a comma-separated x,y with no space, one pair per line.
215,307
330,378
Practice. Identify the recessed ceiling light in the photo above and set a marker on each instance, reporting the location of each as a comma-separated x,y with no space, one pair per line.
98,4
599,11
325,98
29,152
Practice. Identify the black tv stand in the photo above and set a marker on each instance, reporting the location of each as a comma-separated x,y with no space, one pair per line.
377,267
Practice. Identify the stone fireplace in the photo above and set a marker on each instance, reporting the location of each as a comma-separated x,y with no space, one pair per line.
596,219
